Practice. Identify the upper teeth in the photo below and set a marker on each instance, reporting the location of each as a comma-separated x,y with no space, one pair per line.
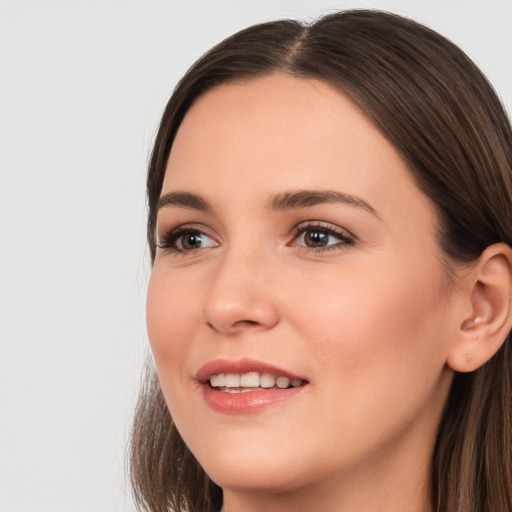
252,380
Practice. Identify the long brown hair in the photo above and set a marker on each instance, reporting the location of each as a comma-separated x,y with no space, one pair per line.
439,111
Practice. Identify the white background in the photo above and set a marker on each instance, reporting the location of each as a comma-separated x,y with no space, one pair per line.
82,85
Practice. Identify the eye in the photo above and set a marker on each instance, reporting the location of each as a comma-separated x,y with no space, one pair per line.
321,236
186,239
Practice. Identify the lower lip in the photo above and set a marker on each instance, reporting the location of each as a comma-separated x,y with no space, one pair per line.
248,402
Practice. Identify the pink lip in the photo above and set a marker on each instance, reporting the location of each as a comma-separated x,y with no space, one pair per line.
240,366
244,403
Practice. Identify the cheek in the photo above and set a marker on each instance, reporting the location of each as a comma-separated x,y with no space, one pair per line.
378,349
169,312
361,319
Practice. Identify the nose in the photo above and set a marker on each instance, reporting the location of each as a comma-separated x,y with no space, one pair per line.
240,296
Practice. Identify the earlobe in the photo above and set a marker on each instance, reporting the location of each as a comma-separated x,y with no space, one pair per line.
485,328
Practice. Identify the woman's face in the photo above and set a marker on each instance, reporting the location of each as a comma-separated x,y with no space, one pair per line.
298,268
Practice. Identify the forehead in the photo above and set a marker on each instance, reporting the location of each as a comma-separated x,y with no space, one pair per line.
280,132
276,115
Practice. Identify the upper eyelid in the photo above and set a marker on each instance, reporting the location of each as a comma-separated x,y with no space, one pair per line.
172,217
328,226
179,229
193,226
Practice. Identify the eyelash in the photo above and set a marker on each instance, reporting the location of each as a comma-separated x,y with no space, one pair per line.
344,237
171,238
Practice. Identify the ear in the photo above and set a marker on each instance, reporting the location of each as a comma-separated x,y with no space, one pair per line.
486,326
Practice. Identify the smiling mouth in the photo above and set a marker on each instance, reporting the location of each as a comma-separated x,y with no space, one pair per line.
252,381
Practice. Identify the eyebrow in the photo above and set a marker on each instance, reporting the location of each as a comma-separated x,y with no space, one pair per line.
307,198
282,201
185,200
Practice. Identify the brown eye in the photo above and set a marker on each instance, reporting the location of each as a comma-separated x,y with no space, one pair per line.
190,241
185,239
316,238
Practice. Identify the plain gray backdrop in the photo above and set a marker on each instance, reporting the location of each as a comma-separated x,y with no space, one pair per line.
82,86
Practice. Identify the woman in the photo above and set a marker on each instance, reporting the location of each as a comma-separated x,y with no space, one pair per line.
329,306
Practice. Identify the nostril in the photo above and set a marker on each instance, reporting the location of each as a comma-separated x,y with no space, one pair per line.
211,326
236,326
245,323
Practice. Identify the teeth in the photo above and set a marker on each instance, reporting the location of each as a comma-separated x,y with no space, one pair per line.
232,381
236,390
218,380
282,382
252,380
267,381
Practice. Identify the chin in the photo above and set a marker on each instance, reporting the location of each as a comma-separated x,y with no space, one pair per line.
264,477
256,467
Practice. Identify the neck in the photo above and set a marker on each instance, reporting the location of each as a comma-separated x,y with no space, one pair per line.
385,483
382,494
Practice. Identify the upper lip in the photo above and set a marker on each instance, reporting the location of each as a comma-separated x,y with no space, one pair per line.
241,366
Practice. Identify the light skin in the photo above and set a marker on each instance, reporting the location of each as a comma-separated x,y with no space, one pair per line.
259,172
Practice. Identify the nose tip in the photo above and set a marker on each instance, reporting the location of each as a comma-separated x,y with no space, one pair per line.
230,317
231,307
